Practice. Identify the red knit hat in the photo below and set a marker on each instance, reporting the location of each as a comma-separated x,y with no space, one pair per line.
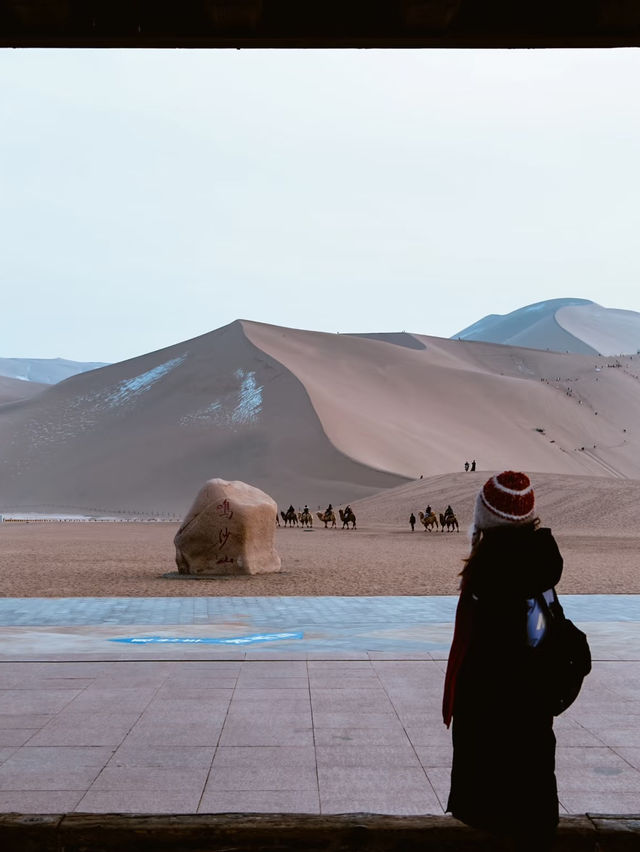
506,499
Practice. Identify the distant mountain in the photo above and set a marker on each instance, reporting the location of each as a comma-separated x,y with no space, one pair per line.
313,418
47,371
562,325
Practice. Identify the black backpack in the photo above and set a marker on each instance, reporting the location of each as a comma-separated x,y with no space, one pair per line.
560,650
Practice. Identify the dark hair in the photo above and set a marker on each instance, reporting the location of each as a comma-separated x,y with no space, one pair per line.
476,546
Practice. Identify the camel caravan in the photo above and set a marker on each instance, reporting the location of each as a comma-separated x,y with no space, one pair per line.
429,519
291,518
444,521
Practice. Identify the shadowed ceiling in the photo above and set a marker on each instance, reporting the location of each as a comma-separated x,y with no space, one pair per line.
319,23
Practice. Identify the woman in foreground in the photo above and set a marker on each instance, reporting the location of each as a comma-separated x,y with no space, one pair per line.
503,772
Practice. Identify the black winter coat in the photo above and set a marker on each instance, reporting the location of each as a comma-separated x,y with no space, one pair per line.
503,772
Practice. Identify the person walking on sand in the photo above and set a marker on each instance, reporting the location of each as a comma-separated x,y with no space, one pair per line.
503,770
412,521
473,465
466,467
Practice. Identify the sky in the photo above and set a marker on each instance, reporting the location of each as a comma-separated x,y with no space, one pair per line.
147,197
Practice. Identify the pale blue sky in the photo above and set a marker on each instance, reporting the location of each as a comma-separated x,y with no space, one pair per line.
150,196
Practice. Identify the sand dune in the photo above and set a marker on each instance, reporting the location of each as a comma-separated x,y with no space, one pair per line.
564,325
13,390
426,410
607,331
312,418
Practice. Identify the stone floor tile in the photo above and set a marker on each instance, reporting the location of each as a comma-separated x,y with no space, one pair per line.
615,736
249,693
244,733
35,701
63,757
346,667
260,801
25,721
186,712
85,730
15,736
163,756
267,684
138,801
607,779
187,780
598,801
439,778
379,756
335,682
39,801
274,669
358,779
432,756
261,778
429,735
173,732
591,758
631,754
6,752
413,802
265,756
362,736
186,691
16,775
576,737
354,719
119,700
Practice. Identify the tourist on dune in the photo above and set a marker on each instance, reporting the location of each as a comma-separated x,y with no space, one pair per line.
412,521
503,772
427,511
448,512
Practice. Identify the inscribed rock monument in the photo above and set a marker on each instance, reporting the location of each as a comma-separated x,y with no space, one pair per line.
229,529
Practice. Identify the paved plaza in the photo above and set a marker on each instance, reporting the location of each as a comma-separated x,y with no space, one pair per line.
315,705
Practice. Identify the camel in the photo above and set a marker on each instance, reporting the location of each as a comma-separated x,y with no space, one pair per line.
450,522
327,518
305,519
347,518
290,518
428,521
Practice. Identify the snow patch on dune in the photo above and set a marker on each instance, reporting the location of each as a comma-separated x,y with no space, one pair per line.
82,412
130,388
239,407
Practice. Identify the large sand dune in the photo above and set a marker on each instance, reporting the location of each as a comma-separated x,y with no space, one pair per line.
312,418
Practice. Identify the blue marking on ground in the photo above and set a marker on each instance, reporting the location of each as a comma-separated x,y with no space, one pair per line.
208,640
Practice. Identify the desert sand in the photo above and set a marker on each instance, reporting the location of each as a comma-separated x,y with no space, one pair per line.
592,519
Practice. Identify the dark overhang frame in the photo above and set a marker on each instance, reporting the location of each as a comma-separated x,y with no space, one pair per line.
319,23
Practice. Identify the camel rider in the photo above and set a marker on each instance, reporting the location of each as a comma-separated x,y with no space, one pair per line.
291,510
328,510
348,511
427,512
305,511
448,512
